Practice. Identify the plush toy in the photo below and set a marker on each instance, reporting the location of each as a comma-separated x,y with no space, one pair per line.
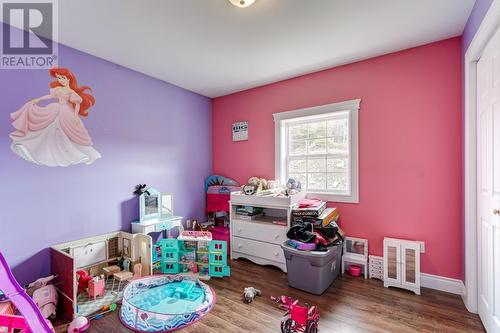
248,189
272,184
293,186
254,186
250,293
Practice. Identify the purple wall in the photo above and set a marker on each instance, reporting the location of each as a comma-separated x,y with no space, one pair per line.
476,17
147,131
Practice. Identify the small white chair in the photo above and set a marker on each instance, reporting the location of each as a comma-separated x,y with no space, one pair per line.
124,275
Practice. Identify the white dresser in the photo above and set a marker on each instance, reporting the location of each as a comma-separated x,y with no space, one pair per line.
260,239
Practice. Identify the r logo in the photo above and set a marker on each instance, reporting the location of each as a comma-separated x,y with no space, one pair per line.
36,21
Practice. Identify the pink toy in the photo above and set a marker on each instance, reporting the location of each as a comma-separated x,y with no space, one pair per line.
79,324
137,271
44,295
96,288
301,245
300,318
354,270
284,302
83,281
32,320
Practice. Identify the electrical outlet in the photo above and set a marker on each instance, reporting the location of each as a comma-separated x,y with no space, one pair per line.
422,246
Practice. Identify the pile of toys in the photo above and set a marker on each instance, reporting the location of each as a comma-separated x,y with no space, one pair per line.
297,317
314,226
268,187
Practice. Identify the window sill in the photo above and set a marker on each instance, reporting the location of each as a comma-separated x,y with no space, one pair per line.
354,199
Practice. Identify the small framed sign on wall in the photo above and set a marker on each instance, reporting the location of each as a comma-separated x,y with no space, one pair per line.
240,131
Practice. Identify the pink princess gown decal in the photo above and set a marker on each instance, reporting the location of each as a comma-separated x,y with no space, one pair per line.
54,135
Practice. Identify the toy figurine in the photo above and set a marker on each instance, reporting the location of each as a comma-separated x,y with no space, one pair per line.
250,293
54,135
140,189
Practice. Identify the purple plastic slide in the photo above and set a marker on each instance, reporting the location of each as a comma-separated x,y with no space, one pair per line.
21,300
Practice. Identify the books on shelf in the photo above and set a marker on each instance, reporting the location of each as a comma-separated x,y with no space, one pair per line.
249,210
327,216
309,211
248,217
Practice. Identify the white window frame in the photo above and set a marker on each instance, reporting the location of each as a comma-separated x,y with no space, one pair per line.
308,114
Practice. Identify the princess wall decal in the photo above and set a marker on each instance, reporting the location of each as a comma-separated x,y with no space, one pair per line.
54,135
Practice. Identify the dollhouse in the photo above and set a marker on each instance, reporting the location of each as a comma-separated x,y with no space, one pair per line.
192,253
97,257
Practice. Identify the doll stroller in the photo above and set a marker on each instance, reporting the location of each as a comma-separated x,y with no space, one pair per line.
300,318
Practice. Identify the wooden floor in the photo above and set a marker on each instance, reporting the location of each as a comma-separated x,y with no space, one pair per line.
349,305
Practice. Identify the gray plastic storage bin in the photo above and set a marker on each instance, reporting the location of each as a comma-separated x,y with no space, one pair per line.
312,271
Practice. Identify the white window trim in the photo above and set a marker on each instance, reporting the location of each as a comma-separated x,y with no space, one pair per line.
280,149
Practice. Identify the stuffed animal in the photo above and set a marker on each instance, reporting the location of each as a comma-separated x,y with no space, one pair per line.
250,293
254,186
248,189
272,184
293,186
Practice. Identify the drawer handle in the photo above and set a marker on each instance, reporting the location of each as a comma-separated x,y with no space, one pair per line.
240,246
276,254
276,236
239,229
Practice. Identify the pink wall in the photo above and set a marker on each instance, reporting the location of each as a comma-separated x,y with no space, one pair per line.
410,153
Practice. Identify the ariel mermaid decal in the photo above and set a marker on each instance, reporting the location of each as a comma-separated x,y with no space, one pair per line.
54,135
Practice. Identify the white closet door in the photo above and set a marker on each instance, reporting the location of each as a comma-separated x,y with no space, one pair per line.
488,220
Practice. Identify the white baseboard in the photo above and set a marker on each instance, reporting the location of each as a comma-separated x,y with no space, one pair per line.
442,283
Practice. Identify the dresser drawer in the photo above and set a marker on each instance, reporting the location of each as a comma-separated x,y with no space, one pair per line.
258,249
274,234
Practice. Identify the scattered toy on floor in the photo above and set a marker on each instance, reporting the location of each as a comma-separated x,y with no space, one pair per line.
299,318
283,302
79,324
104,310
250,293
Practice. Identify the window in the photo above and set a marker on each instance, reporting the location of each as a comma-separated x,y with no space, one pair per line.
319,147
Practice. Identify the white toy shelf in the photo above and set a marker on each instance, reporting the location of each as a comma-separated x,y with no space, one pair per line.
355,252
259,239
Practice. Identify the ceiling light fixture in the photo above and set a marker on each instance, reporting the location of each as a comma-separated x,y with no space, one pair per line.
242,3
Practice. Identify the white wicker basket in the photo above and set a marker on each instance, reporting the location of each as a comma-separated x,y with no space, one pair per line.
376,265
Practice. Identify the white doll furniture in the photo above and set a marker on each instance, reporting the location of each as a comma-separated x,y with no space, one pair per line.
376,267
156,213
355,252
402,264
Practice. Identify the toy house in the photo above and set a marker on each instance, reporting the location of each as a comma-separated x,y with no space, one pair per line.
95,256
194,253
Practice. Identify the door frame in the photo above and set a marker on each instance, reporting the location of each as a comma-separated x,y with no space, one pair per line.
488,27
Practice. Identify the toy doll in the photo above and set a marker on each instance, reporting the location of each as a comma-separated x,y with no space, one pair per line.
54,135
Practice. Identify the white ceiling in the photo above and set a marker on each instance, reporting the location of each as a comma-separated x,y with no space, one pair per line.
214,48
